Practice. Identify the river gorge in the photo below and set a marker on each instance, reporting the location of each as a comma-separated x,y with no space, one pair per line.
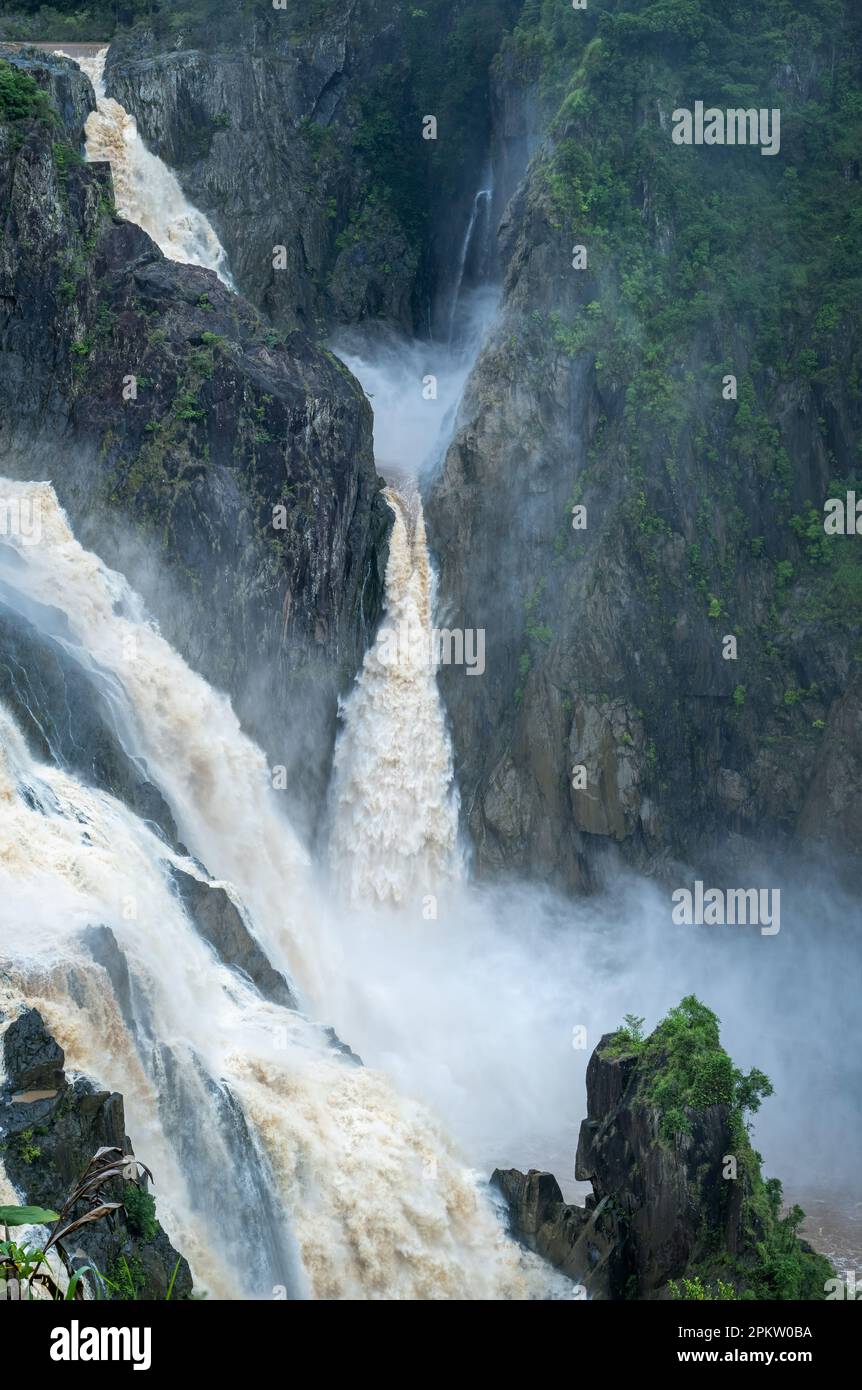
346,788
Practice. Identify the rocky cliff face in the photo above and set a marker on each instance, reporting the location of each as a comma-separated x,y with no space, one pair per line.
677,1190
51,1126
606,388
303,129
227,466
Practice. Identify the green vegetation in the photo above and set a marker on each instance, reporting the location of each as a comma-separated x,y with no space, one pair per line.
693,1071
689,1068
186,407
28,1152
126,1278
90,1198
66,158
140,1211
21,97
82,21
681,1070
27,1216
692,249
694,1290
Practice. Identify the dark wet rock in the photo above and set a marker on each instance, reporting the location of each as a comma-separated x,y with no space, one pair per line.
655,1200
307,134
605,645
338,1046
46,1145
69,91
34,1061
102,945
67,710
221,924
181,486
664,1205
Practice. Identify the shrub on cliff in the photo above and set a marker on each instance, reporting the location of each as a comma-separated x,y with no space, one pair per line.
20,96
690,1069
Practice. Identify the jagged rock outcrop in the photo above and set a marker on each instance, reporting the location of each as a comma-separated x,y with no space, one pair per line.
602,388
63,708
657,1205
676,1186
178,482
50,1128
220,923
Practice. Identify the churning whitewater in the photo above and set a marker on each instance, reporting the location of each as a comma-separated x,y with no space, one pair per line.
277,1160
395,808
145,189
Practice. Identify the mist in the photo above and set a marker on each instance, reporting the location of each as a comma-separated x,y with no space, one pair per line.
475,1011
412,427
473,1004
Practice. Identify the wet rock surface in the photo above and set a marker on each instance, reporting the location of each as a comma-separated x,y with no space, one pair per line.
605,641
47,1144
66,712
221,924
662,1207
179,482
307,135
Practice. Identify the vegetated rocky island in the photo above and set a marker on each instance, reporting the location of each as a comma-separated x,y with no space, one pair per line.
679,1208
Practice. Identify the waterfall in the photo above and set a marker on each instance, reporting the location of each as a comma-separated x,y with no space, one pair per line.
395,810
277,1161
145,190
394,805
482,200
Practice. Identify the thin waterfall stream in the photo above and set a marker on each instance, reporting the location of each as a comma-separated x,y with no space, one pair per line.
478,230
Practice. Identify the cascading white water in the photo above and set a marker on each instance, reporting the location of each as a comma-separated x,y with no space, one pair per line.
215,779
394,805
145,189
473,1012
376,1198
